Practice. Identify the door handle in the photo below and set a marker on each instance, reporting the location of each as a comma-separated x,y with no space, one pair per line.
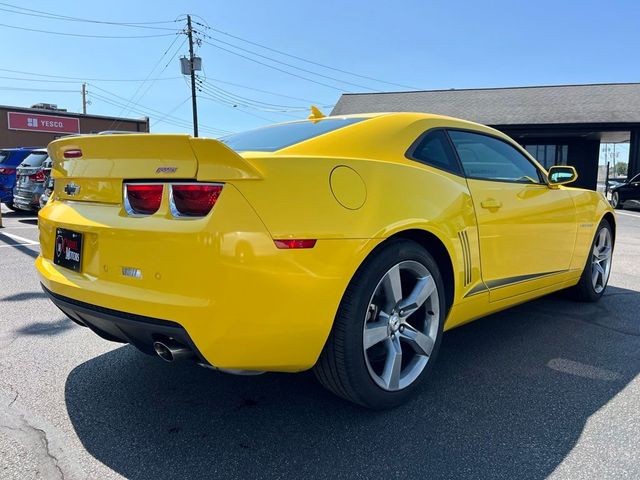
491,203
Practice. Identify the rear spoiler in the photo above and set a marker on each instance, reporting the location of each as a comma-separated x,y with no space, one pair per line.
148,155
216,161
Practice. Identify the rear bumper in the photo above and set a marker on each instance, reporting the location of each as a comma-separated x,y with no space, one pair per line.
245,304
27,200
116,326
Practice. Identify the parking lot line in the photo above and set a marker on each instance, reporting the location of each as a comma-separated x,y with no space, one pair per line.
628,214
19,245
18,238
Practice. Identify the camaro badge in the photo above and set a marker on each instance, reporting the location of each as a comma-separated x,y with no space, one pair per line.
71,189
166,169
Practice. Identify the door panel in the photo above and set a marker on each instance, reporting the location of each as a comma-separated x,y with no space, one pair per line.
527,235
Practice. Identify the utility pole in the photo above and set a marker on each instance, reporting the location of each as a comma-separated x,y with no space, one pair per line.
194,105
84,98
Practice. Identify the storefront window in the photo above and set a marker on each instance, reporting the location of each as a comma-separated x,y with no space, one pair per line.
549,155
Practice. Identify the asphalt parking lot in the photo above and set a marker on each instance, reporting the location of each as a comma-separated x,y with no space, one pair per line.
550,388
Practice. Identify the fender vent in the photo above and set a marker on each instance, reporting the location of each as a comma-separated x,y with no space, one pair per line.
466,253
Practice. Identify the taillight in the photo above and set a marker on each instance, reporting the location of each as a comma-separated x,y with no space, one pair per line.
7,171
193,199
142,198
293,243
38,176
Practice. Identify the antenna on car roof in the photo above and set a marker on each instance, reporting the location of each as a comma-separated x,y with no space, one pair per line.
316,113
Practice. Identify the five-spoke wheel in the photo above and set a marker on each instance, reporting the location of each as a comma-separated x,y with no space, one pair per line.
595,275
388,328
401,325
601,260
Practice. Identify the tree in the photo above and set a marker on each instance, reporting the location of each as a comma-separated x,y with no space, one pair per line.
621,169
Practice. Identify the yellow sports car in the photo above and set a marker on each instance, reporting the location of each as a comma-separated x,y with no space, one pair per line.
343,244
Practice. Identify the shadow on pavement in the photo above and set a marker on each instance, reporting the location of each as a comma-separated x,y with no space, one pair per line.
22,296
509,399
18,213
47,328
29,221
31,250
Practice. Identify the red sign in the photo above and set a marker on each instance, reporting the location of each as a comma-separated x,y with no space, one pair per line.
42,123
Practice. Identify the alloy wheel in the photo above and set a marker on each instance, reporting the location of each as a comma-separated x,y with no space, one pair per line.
601,260
401,325
614,199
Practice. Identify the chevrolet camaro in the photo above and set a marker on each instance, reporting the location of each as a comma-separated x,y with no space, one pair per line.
343,244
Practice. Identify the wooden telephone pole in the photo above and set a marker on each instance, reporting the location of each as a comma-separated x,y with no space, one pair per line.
194,105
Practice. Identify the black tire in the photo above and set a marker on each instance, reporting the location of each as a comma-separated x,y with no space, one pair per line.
615,201
11,206
342,367
585,291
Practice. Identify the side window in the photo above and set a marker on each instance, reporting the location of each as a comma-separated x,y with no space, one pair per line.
489,158
435,149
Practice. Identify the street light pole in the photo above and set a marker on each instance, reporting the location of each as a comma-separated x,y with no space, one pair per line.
194,105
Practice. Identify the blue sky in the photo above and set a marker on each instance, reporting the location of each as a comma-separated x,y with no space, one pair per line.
422,44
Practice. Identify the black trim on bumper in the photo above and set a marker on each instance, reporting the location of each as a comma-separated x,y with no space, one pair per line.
123,327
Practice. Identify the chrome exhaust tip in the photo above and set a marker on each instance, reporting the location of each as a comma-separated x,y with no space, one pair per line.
170,351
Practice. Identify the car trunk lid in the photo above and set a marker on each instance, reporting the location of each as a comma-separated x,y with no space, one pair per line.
94,168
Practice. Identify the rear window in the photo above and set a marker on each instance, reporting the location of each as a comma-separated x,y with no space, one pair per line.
3,157
276,137
35,159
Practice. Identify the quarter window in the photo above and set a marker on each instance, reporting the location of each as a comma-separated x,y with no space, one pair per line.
489,158
435,149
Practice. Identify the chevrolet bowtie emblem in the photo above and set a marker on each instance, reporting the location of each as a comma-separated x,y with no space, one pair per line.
71,189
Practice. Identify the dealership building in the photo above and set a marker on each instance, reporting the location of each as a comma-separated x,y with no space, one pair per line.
42,123
559,125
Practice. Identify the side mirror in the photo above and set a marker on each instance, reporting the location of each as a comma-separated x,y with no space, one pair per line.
561,175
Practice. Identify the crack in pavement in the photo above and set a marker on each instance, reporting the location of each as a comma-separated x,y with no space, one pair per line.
36,440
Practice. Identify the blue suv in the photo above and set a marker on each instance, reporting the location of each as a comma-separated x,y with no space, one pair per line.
10,158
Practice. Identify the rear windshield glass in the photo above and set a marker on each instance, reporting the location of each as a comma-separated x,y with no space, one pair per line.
272,138
4,156
35,159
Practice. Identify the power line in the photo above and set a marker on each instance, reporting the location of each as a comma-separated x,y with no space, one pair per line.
209,79
170,112
304,59
151,73
148,109
23,79
153,81
86,35
212,99
273,67
82,79
23,89
55,16
288,64
242,106
240,98
170,121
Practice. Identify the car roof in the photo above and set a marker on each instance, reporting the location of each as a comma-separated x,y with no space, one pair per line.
382,135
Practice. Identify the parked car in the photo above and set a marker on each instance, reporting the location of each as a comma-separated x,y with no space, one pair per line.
626,193
48,189
30,178
10,158
343,244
